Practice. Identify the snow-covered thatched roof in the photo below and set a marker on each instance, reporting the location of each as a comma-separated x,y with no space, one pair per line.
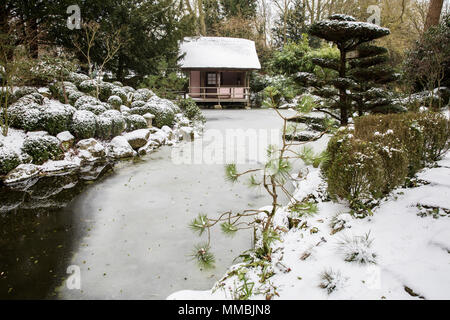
218,53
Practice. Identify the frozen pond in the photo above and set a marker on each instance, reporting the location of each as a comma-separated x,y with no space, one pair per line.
128,233
137,241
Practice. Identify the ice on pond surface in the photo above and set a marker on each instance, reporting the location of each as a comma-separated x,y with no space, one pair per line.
136,242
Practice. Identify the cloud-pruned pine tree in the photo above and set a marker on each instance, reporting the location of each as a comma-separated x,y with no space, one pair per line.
359,70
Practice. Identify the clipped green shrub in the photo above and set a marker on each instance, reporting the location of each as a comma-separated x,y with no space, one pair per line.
118,121
135,122
104,127
377,155
191,110
425,136
9,159
163,110
120,92
354,170
26,116
56,117
42,148
22,91
84,124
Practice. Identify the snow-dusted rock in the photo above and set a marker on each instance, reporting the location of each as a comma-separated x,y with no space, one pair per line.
159,137
150,146
182,120
67,140
187,133
93,147
137,138
22,172
168,131
59,166
120,148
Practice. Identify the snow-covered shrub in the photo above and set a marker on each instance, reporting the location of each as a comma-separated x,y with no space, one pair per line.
145,93
94,108
357,249
26,116
42,148
135,122
331,281
120,92
32,98
9,159
73,96
118,121
77,78
191,110
105,90
375,157
84,124
86,100
117,83
146,108
22,91
115,101
136,96
354,170
104,127
88,86
164,111
137,104
56,117
128,89
425,136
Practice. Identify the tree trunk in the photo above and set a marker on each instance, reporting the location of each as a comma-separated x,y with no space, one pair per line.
201,17
33,38
343,101
434,13
120,68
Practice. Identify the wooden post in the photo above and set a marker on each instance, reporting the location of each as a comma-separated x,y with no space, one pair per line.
218,83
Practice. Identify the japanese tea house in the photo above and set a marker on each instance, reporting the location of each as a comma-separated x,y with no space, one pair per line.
219,68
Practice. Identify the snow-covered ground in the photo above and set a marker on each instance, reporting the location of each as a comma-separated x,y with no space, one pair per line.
405,246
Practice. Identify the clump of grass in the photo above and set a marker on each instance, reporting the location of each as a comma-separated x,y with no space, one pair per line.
358,249
339,222
331,280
